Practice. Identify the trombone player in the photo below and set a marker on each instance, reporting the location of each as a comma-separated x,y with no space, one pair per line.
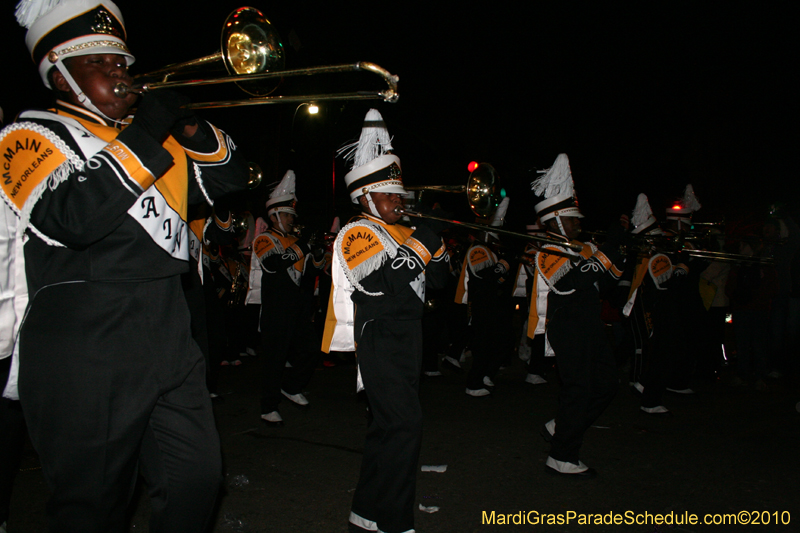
574,329
110,380
286,335
380,271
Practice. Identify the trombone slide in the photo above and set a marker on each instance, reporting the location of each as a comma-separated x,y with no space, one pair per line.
544,240
390,94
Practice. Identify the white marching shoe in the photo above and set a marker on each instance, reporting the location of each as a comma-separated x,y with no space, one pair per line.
569,469
272,419
535,379
298,398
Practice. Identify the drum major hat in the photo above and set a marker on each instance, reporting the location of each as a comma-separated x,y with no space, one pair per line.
558,190
374,167
283,199
642,217
68,28
683,208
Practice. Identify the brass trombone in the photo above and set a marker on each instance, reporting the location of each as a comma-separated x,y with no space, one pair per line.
725,257
481,188
252,53
483,197
677,244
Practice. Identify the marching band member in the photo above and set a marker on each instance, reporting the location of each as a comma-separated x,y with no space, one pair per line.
537,290
102,241
12,424
458,317
782,241
679,214
574,329
380,271
286,335
684,299
434,329
486,284
646,284
244,313
200,288
750,289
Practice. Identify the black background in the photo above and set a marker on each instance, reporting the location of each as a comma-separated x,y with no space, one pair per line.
643,97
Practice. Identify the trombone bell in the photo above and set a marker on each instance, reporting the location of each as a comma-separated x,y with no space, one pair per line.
481,188
255,177
250,45
253,55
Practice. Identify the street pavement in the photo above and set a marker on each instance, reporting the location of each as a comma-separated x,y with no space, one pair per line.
726,450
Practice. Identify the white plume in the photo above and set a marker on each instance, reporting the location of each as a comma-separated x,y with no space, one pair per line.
642,212
285,187
556,181
29,11
373,142
690,200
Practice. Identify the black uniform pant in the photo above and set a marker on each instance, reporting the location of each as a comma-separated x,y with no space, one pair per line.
458,330
12,441
434,331
287,334
651,357
712,355
390,357
207,329
588,377
241,323
492,342
111,381
538,363
215,325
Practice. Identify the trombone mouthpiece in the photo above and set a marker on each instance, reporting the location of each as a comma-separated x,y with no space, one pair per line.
399,210
123,90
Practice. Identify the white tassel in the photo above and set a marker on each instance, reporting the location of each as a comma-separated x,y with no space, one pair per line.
29,11
556,181
642,212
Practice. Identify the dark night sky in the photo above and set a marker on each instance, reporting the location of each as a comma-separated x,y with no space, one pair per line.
643,98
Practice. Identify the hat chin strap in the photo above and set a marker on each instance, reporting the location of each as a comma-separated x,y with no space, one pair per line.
82,98
280,222
372,208
560,226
